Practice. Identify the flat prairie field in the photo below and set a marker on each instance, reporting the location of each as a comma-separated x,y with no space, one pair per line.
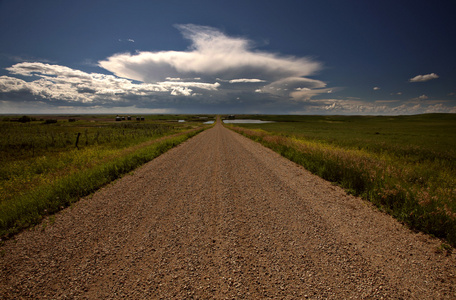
48,162
406,165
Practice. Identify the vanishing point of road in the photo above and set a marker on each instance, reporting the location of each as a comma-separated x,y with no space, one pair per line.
222,217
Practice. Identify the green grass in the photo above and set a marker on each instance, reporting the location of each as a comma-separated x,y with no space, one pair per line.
406,165
42,170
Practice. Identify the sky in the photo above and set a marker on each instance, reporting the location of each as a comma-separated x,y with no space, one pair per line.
228,57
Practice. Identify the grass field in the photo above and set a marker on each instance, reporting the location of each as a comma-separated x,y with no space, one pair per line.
406,165
48,162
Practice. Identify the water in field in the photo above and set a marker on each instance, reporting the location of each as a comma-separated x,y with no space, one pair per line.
246,121
209,122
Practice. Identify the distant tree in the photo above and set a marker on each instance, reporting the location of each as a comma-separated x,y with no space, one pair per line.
24,119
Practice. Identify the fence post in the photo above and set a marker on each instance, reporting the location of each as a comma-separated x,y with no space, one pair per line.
77,140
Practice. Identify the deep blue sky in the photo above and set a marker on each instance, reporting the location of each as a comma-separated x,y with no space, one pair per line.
310,57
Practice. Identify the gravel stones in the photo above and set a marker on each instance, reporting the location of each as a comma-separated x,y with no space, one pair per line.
221,217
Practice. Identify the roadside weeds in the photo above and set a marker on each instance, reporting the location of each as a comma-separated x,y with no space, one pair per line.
31,207
392,188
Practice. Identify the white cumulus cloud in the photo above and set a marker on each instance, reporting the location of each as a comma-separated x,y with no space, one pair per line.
60,83
422,78
215,68
215,73
212,53
422,97
246,80
306,94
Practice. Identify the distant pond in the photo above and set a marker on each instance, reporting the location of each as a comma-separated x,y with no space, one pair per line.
246,121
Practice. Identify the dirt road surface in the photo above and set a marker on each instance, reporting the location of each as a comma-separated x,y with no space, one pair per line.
221,217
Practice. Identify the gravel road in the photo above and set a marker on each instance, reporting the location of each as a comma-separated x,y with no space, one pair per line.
221,217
